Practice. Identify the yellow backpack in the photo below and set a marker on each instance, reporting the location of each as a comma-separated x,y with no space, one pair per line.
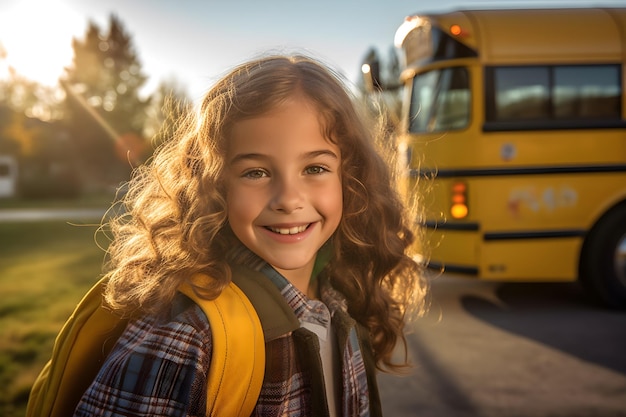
237,364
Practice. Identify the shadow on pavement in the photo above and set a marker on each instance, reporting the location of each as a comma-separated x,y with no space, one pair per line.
557,315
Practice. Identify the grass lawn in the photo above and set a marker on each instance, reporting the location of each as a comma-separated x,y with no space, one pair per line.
85,201
45,269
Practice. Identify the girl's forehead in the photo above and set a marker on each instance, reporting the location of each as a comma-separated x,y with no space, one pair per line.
294,125
295,99
297,104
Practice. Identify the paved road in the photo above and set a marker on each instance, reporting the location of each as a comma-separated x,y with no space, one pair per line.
66,214
507,350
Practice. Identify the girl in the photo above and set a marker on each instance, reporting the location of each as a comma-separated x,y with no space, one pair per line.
278,175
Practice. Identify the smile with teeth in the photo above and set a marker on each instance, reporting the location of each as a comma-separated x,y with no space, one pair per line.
289,230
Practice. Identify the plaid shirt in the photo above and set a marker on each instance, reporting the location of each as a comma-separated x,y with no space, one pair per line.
160,364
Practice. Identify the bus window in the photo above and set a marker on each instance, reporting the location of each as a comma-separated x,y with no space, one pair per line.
587,92
440,101
521,93
551,94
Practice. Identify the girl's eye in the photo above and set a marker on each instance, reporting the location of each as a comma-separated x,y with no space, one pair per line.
315,169
255,174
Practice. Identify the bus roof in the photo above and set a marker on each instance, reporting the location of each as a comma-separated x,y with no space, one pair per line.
518,36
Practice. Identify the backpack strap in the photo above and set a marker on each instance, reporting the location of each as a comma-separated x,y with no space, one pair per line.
79,351
277,317
238,360
87,337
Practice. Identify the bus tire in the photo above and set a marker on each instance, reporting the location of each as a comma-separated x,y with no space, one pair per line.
603,259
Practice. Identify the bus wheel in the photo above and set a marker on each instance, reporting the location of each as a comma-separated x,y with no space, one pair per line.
603,261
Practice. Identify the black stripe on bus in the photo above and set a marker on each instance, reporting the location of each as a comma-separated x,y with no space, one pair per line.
528,125
516,235
458,269
452,226
544,234
541,170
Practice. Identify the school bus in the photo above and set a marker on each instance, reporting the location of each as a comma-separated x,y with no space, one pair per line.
518,117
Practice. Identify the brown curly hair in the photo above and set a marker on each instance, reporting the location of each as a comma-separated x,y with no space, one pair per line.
174,219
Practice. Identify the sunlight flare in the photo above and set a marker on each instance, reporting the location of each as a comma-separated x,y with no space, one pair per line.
36,39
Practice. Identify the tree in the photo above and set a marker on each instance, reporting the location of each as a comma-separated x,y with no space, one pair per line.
105,111
381,85
30,98
33,135
18,99
170,104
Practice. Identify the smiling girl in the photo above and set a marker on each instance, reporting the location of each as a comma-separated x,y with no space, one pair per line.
277,179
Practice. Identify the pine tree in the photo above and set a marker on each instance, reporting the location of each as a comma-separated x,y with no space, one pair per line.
169,108
104,108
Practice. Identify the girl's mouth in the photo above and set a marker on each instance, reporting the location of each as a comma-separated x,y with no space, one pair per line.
288,230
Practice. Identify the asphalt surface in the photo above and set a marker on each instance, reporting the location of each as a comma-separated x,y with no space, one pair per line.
527,350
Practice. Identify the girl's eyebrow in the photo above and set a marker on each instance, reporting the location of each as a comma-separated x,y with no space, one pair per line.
245,156
308,155
321,152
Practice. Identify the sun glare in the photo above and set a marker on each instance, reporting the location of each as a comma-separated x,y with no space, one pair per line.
36,38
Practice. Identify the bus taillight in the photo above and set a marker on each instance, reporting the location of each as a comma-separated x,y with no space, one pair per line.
459,209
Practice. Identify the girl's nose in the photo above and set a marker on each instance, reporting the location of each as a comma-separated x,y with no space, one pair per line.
287,196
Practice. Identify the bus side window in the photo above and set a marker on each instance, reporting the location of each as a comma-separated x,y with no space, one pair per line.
588,92
521,93
551,94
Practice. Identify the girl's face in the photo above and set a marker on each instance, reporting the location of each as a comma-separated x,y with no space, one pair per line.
284,187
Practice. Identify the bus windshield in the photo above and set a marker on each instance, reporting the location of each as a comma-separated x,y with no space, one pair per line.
440,100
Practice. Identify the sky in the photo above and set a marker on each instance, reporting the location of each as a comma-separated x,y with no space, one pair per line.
195,42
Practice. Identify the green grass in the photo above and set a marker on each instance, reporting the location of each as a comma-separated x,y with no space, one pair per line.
86,201
45,269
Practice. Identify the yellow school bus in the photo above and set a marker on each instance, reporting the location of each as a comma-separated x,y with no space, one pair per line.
518,116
